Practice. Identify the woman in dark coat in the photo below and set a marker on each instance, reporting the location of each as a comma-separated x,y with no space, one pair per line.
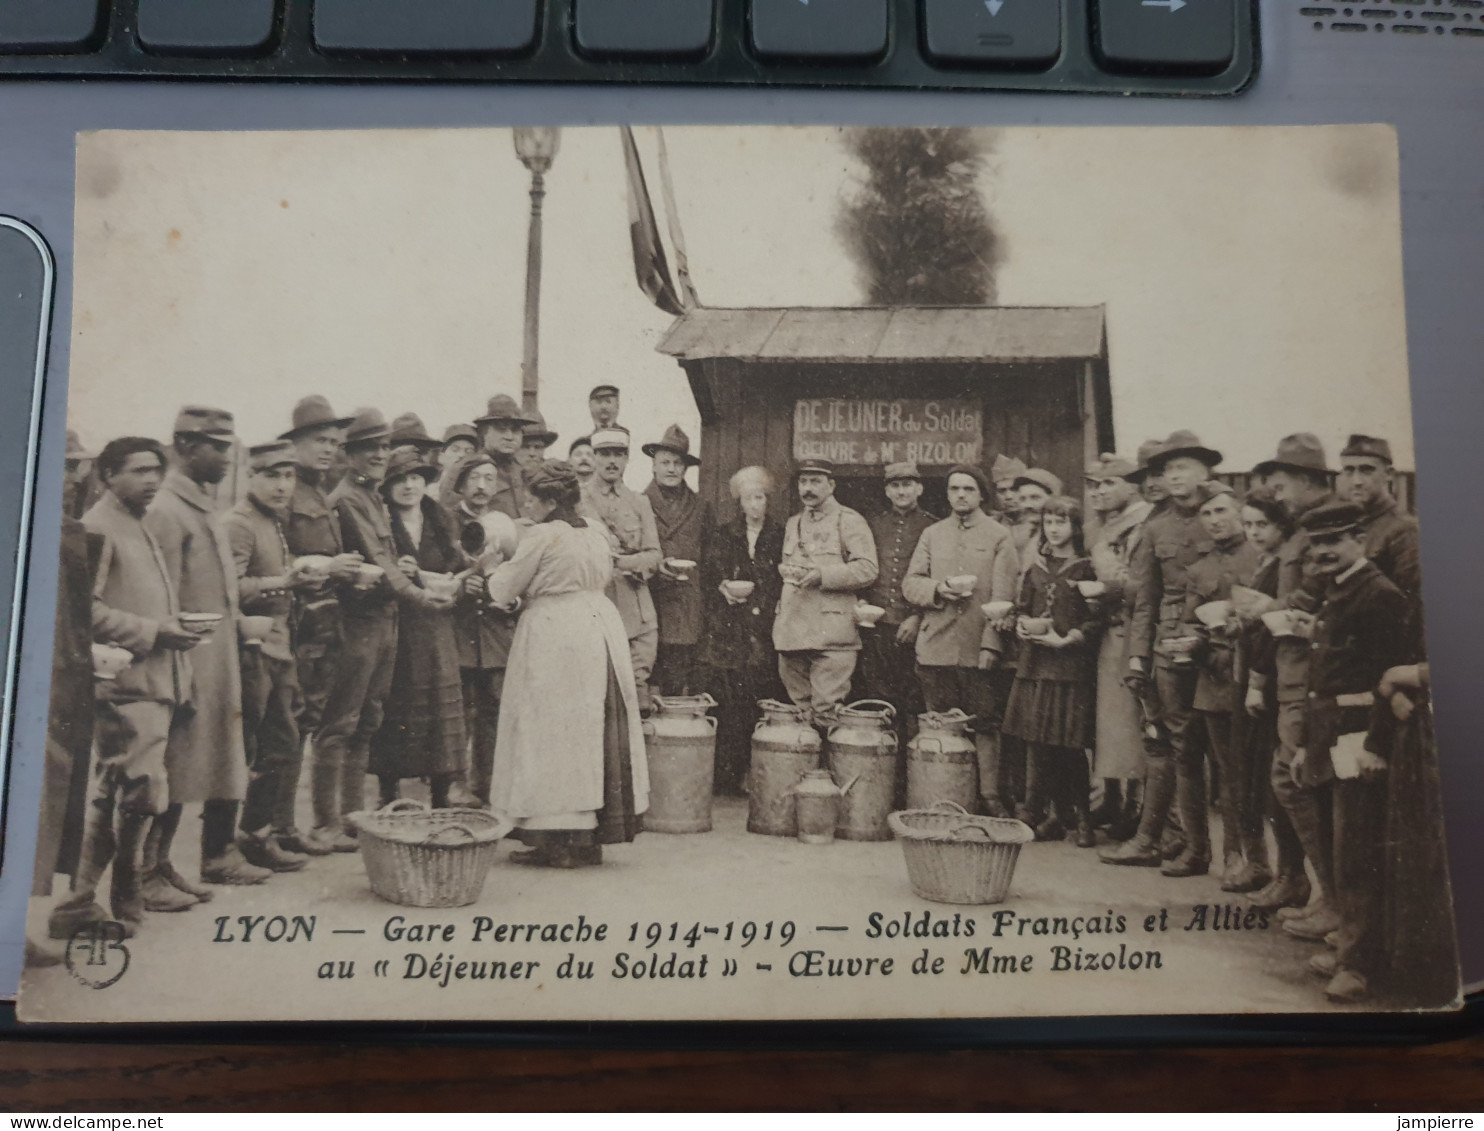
737,647
422,733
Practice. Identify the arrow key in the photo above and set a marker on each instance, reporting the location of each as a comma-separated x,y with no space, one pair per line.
1173,36
1005,34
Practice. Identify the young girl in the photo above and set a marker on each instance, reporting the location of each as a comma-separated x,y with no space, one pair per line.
1053,704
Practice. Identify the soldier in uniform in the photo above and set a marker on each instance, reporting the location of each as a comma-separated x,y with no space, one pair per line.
1003,473
629,520
958,647
408,431
682,522
1368,480
460,441
1151,486
603,405
1169,545
580,456
535,438
1299,479
501,434
1032,488
888,654
828,557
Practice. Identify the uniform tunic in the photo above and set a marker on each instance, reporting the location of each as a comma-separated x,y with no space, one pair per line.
896,535
205,757
953,632
1233,562
311,527
836,541
630,519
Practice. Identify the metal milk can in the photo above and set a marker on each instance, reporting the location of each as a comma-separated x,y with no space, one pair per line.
818,799
862,755
784,748
681,741
941,762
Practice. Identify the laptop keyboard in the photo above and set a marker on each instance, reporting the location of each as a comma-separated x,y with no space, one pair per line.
1172,47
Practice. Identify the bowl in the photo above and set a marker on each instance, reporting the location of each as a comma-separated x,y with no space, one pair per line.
963,583
109,660
368,575
1091,588
254,630
1214,614
315,566
201,623
681,567
439,584
741,590
1180,647
996,610
1035,626
867,615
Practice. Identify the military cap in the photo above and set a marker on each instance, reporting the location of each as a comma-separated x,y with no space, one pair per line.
460,432
1300,452
614,436
1182,443
814,467
314,412
902,469
1331,519
580,442
537,430
195,420
275,453
503,410
1213,489
367,426
974,473
468,464
75,450
1039,477
1110,466
603,391
1147,451
1006,467
675,440
1373,446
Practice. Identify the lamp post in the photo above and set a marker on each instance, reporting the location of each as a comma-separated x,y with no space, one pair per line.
536,147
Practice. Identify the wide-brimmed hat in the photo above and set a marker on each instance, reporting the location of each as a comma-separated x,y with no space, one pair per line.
1331,518
409,461
275,453
75,450
614,436
1213,489
1183,443
461,432
503,409
197,420
902,469
408,429
1040,477
1372,446
367,424
1110,466
1300,452
815,467
314,412
1006,467
1147,451
676,441
537,430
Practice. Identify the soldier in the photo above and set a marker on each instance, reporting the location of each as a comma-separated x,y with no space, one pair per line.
629,520
266,581
828,557
1368,480
681,522
1299,479
134,605
602,404
1032,488
1003,474
535,438
363,673
460,441
960,564
312,530
1164,679
1151,485
1232,560
1357,636
408,432
205,757
888,654
580,456
501,434
1119,752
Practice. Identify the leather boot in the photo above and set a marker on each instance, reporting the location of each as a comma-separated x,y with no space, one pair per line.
1190,797
126,895
1143,850
1126,824
81,908
353,779
159,893
1284,891
1188,863
264,851
1111,806
987,751
324,787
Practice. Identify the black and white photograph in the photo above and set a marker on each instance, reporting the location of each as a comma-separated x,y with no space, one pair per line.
738,573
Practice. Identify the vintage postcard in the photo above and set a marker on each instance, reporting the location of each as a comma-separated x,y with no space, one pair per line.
738,573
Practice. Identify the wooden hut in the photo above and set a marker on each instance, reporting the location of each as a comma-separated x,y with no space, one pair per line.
866,386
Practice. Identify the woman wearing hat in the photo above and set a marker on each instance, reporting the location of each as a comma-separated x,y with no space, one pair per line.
422,732
572,774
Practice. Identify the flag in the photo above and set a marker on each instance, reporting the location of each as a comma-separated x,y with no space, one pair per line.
650,267
677,237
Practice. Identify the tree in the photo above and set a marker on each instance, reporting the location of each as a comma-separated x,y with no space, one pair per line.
917,226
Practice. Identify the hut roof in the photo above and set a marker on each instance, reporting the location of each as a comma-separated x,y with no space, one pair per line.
863,333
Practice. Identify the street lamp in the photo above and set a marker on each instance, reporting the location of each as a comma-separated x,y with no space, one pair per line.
536,147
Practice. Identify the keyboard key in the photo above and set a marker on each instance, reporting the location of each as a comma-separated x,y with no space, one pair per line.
206,27
48,25
819,29
1192,36
1002,33
644,28
450,27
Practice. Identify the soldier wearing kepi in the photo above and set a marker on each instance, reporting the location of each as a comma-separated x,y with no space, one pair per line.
961,564
889,653
603,405
501,433
681,521
1175,759
205,757
266,581
629,520
828,557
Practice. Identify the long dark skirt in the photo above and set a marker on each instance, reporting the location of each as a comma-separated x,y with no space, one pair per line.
617,821
422,731
1052,712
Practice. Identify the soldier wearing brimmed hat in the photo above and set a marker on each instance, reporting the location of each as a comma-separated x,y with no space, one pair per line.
629,519
828,557
1299,477
1175,758
681,521
266,582
889,654
408,431
501,434
1357,635
460,441
1368,480
535,438
1113,490
603,405
1151,484
205,755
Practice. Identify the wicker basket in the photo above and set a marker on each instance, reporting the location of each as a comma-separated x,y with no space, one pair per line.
422,857
955,857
